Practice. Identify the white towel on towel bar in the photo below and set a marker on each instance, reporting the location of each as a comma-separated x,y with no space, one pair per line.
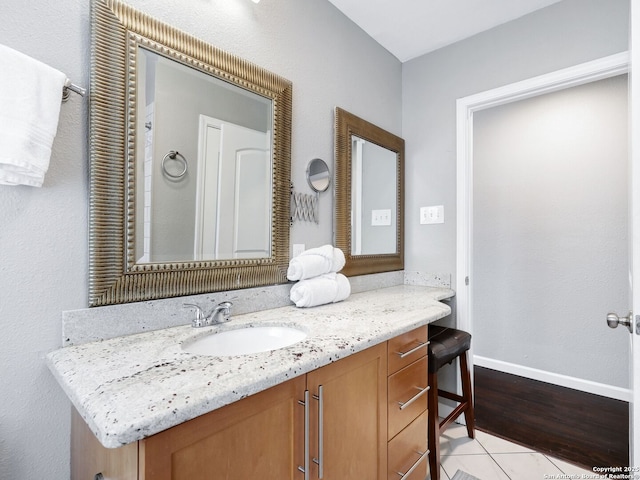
30,96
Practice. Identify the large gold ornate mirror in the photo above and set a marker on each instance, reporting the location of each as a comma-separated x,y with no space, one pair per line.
369,196
190,164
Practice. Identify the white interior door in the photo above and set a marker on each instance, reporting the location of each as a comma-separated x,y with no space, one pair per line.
245,193
634,209
252,219
233,196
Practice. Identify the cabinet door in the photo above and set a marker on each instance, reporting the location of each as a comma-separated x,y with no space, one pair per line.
260,436
349,417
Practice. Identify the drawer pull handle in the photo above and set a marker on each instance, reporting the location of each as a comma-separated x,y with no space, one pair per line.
422,391
305,469
415,465
413,350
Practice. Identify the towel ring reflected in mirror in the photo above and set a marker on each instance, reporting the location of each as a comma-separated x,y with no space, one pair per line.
179,158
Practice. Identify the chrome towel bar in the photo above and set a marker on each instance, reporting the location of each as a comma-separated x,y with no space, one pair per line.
72,87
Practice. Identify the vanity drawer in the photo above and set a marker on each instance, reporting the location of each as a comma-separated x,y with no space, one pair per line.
407,348
407,396
409,450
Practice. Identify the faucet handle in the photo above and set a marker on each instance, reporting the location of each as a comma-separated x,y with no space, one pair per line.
225,310
200,317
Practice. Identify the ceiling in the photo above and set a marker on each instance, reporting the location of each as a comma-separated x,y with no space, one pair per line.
410,28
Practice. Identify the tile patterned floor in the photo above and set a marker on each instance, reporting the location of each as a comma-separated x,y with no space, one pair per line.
492,458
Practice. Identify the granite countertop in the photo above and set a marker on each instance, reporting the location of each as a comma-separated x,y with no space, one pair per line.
131,387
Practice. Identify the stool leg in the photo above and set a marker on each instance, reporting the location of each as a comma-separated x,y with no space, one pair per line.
467,394
434,428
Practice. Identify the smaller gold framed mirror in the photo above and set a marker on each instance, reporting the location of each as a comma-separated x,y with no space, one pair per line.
369,196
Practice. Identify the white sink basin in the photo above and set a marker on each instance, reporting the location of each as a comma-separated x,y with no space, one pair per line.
243,341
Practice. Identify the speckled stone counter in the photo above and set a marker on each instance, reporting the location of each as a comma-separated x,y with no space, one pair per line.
129,388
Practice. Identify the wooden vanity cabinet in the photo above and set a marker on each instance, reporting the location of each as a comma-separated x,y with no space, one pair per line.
263,436
366,419
407,406
89,457
349,415
257,434
260,433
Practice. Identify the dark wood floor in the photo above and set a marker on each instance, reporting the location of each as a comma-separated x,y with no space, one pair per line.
581,428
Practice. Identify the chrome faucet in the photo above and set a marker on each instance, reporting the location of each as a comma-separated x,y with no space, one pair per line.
221,313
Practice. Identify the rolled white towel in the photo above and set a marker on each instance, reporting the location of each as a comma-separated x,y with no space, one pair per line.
315,262
307,266
344,288
338,260
328,288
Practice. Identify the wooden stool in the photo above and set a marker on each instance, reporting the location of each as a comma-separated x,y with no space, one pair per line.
445,344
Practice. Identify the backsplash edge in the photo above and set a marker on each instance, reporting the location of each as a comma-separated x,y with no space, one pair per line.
102,323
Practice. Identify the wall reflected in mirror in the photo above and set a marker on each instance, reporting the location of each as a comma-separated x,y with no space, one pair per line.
213,200
374,207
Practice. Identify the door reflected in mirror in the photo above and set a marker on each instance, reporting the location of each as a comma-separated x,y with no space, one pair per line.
211,199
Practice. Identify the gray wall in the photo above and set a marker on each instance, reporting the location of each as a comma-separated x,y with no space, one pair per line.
559,36
43,232
550,256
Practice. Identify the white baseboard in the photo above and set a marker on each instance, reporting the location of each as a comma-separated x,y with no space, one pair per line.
555,378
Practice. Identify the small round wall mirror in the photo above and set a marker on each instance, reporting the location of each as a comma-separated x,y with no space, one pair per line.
318,175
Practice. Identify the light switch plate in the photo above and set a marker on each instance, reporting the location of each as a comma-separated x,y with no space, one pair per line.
381,218
433,214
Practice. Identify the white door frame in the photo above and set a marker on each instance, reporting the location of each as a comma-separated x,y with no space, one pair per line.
634,94
570,77
205,122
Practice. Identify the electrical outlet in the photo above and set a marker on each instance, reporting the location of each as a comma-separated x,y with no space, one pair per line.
297,249
433,214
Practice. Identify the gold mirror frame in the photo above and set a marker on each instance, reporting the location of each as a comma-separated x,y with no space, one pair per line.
346,125
114,277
